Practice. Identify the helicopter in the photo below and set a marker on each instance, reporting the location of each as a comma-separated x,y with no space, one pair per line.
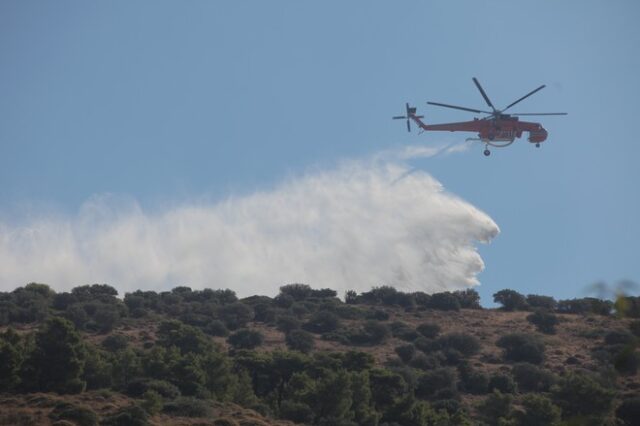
497,129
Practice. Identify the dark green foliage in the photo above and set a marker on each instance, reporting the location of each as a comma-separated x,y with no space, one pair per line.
57,360
235,315
503,383
619,337
628,306
496,408
468,299
538,411
510,300
216,328
78,414
424,362
429,330
351,297
541,302
10,362
377,314
580,395
405,352
127,416
403,331
587,305
187,407
464,343
521,347
98,369
287,323
245,339
298,412
186,338
115,342
446,301
627,360
634,327
544,321
471,380
371,333
629,411
322,322
138,387
300,340
531,378
437,384
264,313
297,291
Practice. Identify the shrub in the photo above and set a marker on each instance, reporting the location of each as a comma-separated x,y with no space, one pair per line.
322,322
187,407
510,300
542,302
216,328
446,301
627,360
468,299
539,411
580,395
472,381
138,387
520,347
619,337
496,408
80,415
300,340
287,323
629,411
372,333
405,352
263,312
403,331
425,362
297,412
531,378
235,315
115,342
377,314
128,416
297,291
351,297
429,330
245,339
587,305
544,321
466,344
503,383
634,326
437,384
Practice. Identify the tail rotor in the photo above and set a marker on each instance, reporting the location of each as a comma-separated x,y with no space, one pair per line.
411,113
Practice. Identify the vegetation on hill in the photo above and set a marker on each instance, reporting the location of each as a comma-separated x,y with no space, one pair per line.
382,357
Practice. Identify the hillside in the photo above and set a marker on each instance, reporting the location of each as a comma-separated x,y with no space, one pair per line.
305,357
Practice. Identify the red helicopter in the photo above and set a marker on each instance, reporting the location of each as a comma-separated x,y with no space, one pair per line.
497,129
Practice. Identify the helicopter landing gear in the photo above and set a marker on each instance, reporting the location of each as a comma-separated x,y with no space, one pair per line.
538,145
486,152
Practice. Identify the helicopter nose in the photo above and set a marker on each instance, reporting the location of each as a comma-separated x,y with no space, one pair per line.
537,136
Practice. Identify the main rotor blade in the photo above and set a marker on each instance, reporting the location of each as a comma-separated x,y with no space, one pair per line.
539,113
524,97
408,125
398,118
459,107
484,95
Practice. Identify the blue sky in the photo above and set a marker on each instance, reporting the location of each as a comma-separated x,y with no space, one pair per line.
162,102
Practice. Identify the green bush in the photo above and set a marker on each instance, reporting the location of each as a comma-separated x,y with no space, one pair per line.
405,352
503,383
424,362
531,378
245,339
371,333
634,327
300,340
127,416
437,384
80,415
496,409
521,347
466,344
542,302
446,301
580,395
187,407
538,411
322,322
619,337
115,342
216,328
287,323
297,291
429,330
544,321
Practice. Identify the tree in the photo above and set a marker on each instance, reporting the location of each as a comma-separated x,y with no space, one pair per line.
10,361
57,361
322,322
297,291
510,300
429,330
579,395
496,408
542,302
